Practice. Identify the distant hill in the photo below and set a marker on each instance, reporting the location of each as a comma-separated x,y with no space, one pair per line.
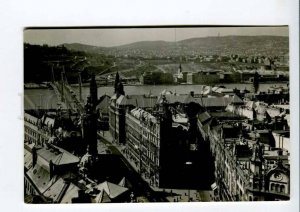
84,47
244,45
239,44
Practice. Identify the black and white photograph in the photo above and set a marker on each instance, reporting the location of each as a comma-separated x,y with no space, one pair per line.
148,114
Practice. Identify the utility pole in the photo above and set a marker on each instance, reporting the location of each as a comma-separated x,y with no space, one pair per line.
80,84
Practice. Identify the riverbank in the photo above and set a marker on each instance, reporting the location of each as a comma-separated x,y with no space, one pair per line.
182,84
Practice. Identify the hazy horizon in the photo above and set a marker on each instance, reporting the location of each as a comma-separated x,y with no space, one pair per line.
110,37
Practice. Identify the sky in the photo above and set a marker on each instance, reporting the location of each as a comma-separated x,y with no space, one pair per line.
116,37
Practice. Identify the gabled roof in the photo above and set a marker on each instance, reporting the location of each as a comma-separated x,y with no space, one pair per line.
71,193
102,197
273,112
122,182
236,100
189,98
103,104
111,189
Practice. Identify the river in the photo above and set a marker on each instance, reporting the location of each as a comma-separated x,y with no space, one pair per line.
45,98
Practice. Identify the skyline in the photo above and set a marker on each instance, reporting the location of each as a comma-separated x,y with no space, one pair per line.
110,37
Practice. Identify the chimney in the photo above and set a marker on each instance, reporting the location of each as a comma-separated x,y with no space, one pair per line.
51,169
34,156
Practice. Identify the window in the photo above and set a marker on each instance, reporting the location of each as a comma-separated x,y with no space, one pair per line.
282,188
272,186
277,188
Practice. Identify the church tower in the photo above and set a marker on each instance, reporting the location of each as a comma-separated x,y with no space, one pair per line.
93,91
119,88
179,72
89,120
256,162
117,80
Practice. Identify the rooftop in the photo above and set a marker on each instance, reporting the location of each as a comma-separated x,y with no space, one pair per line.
57,155
142,114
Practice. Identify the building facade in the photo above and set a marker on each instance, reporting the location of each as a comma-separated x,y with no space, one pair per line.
143,143
246,169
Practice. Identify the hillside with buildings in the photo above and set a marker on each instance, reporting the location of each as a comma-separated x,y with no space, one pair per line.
242,45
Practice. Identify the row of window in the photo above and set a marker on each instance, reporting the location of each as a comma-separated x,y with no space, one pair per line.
29,131
132,143
275,187
28,188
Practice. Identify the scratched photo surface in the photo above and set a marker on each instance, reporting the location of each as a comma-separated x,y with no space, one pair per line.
156,114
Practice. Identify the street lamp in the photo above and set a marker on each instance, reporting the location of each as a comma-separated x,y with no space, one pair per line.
188,164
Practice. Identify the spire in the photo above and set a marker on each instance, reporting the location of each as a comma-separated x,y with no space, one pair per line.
120,89
257,154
